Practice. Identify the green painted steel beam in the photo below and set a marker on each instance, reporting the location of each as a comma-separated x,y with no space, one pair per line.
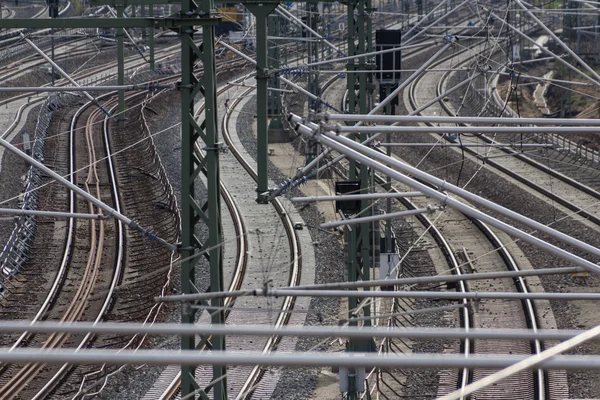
70,23
121,69
257,2
127,3
261,11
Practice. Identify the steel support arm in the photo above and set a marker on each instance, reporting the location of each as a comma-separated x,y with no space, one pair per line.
463,129
109,210
381,217
63,73
53,214
461,120
318,359
158,328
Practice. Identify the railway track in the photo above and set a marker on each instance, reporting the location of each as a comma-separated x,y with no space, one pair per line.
82,270
246,380
542,389
443,231
58,285
577,199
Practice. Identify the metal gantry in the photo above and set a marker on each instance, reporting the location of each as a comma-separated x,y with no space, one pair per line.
359,243
192,212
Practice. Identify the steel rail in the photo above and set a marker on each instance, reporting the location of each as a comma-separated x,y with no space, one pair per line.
569,205
295,265
76,306
69,236
284,315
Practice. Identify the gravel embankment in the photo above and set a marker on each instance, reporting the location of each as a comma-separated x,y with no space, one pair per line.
12,176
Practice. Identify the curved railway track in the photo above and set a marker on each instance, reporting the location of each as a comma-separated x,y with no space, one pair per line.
537,381
574,196
536,384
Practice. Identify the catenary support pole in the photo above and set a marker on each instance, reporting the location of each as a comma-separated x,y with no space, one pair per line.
261,11
193,212
120,69
104,207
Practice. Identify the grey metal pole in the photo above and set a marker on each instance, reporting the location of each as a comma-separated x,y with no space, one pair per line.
369,196
461,129
126,328
461,119
194,358
54,214
428,294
